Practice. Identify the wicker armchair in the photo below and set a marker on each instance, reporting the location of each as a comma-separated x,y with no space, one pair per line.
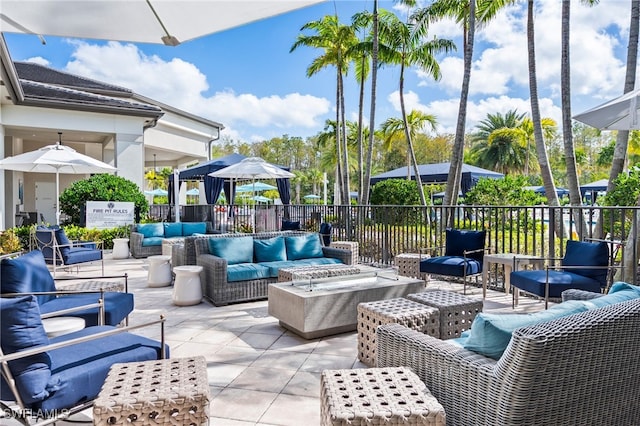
577,370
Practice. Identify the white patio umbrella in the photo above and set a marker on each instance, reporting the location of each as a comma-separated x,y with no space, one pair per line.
56,159
620,113
255,187
168,22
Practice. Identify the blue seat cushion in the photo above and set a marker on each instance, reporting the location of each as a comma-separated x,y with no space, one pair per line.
190,228
27,274
81,255
151,229
534,281
116,306
579,253
152,241
274,267
303,246
457,241
247,272
451,265
22,329
233,249
172,229
269,249
78,371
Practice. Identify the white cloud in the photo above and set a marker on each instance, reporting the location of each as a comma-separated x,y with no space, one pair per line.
182,85
39,60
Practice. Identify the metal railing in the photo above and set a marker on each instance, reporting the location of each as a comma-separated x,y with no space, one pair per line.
385,231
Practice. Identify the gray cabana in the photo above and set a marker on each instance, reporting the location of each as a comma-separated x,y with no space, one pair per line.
438,173
593,188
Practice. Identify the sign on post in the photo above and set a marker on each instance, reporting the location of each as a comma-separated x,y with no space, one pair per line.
109,214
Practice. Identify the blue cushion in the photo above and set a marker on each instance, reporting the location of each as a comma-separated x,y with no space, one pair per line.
303,246
619,292
172,229
325,232
81,255
289,225
534,281
580,253
247,271
270,249
27,274
233,249
21,329
78,371
152,241
450,265
117,306
151,229
190,228
490,333
457,241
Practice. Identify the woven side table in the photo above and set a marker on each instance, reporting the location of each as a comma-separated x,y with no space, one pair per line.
164,392
413,315
377,396
349,245
457,311
409,265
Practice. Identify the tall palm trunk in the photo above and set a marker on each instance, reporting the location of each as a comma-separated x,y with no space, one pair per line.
360,135
457,157
372,114
541,149
345,151
339,170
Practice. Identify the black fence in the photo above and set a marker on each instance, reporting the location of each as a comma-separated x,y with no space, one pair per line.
385,231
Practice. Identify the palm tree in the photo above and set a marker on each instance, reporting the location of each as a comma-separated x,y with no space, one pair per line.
334,39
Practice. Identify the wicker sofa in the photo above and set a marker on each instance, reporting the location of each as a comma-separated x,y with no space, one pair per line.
220,290
579,369
146,238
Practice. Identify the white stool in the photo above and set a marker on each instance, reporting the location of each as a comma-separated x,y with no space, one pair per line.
187,289
57,326
159,271
120,248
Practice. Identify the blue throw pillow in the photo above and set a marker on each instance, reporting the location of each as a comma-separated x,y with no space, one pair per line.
27,274
233,249
303,247
270,249
619,292
457,241
288,225
151,229
580,253
491,333
172,229
22,329
190,228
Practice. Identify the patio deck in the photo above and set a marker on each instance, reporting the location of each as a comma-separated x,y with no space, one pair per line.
259,373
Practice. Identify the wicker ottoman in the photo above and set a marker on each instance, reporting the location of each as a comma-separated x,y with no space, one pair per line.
164,392
349,245
456,310
377,396
409,265
413,315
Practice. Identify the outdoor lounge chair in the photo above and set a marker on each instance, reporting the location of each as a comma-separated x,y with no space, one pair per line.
463,256
60,252
50,379
585,266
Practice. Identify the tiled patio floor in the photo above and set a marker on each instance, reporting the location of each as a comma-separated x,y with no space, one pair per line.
259,373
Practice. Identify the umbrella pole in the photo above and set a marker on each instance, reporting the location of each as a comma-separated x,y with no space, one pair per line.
57,197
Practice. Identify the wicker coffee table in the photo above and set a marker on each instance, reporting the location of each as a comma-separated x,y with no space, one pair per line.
377,396
414,315
457,311
164,392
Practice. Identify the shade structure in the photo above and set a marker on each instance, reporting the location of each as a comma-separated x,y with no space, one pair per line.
255,187
56,159
541,190
168,22
620,113
593,188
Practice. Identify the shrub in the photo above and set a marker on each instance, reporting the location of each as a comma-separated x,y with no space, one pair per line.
9,242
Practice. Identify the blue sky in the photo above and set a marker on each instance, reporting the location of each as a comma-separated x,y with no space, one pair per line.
246,78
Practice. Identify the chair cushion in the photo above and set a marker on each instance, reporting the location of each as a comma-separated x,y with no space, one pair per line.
303,246
78,371
457,241
450,265
619,292
81,255
151,229
27,274
152,241
288,225
117,306
269,250
172,229
580,253
233,249
534,281
190,228
22,329
247,272
490,333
